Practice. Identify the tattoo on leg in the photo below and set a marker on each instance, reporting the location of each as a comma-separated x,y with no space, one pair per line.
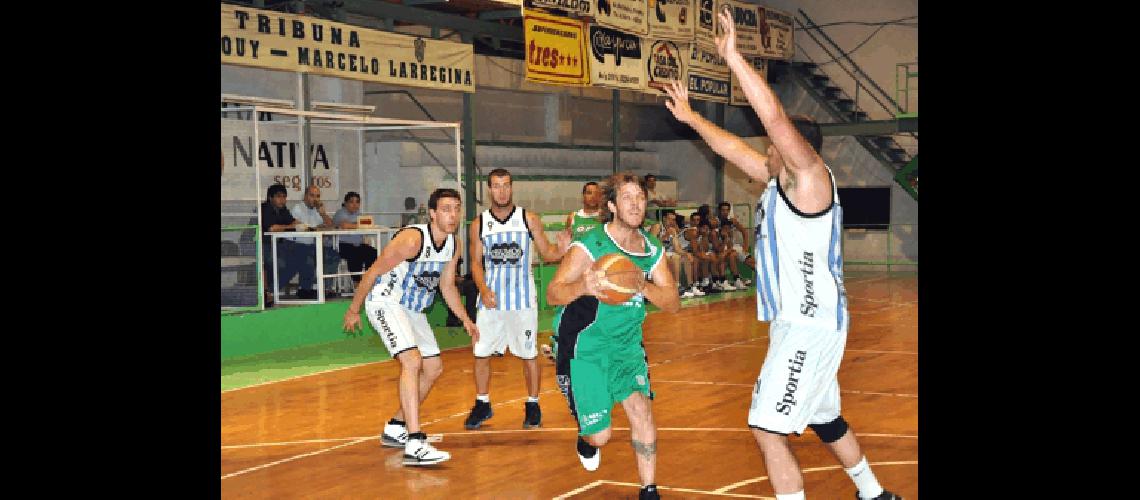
646,450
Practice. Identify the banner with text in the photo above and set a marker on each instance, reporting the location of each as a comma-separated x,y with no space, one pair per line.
624,15
278,159
664,63
571,7
707,74
555,49
705,29
747,26
288,42
776,29
618,60
736,98
672,20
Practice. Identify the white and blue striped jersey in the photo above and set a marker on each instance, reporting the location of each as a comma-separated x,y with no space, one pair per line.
506,260
799,261
413,283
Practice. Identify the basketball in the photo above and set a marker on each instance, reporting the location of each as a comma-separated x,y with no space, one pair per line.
622,275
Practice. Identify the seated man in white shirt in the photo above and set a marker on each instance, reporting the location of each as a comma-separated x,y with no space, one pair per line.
311,213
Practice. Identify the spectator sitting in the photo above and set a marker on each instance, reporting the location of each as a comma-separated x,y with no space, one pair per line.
725,255
669,233
357,254
654,197
705,260
728,224
275,217
311,213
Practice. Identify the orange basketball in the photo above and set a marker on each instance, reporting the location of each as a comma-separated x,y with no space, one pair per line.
623,275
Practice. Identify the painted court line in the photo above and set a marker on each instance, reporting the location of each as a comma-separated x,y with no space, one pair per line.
746,482
731,384
576,491
437,437
295,457
359,365
600,482
305,375
881,352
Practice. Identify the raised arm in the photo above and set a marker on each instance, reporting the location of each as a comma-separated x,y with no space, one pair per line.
797,153
752,162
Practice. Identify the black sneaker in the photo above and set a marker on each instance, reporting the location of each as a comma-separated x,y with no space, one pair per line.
480,412
533,416
885,495
648,493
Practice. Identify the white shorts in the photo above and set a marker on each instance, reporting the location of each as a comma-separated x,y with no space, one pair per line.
499,330
797,385
401,329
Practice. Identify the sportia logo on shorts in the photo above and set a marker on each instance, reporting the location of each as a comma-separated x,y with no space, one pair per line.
640,380
592,418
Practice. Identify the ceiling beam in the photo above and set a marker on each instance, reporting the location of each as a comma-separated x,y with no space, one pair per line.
423,17
874,127
492,15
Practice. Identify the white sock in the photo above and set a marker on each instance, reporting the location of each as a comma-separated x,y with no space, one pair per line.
865,479
532,399
799,495
486,398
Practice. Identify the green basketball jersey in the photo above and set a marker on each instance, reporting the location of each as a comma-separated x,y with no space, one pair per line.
580,223
620,325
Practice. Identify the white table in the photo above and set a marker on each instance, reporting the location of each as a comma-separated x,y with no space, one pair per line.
379,232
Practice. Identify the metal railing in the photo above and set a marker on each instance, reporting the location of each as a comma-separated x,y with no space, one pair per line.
858,76
236,268
903,89
889,258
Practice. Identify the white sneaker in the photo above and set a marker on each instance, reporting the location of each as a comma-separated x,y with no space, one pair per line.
697,292
687,295
740,284
726,287
747,282
394,436
591,464
419,452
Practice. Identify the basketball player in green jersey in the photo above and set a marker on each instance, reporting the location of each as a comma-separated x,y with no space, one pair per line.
601,360
578,223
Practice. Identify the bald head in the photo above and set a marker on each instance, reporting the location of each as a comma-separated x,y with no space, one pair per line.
312,196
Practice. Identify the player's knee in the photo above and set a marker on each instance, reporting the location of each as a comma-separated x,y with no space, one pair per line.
410,359
831,431
600,438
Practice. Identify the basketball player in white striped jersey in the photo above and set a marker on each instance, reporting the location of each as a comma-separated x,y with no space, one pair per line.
500,247
799,280
395,292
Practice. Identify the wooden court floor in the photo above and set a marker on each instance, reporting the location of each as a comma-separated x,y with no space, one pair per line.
317,436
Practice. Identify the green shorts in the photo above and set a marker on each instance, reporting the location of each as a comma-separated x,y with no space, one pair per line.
599,383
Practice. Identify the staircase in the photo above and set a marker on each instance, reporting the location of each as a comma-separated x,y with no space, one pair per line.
845,108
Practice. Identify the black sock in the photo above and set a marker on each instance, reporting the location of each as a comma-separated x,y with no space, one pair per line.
648,492
417,435
397,422
586,449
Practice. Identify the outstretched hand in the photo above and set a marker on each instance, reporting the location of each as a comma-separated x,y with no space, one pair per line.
678,102
726,41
